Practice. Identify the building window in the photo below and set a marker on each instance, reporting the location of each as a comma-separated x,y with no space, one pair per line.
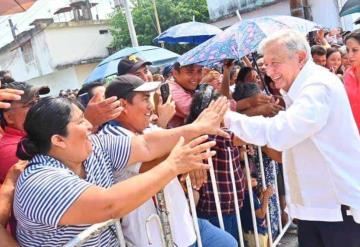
27,52
103,31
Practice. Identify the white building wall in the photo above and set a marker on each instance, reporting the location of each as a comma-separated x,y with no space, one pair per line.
14,62
83,71
42,55
325,13
72,43
69,78
59,44
281,8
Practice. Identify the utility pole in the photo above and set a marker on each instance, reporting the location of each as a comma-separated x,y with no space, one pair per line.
156,17
130,23
158,27
12,27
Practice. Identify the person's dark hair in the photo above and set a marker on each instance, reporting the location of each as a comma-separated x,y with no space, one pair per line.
4,72
245,90
87,88
244,71
330,51
201,100
4,78
353,35
50,116
318,50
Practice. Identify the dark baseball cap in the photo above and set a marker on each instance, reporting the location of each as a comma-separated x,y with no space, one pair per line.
121,86
130,64
30,91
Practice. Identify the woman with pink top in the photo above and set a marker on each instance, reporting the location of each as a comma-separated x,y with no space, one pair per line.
352,75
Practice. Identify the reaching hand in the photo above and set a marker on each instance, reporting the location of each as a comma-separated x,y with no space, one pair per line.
100,110
268,192
185,158
14,172
9,94
165,111
259,99
228,64
197,177
269,109
208,122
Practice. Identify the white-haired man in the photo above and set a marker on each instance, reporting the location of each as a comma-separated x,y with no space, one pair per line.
319,139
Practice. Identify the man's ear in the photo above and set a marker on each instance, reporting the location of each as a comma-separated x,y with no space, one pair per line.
124,104
8,117
302,57
58,141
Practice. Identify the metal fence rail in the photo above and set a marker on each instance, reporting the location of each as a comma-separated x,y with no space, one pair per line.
98,228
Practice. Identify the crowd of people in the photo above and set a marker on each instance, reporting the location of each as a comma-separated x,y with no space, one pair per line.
108,150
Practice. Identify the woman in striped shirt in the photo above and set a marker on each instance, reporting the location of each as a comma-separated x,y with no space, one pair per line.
69,182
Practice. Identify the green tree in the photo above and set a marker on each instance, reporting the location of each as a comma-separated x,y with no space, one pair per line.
171,12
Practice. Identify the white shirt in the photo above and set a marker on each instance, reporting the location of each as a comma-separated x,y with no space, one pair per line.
133,224
320,143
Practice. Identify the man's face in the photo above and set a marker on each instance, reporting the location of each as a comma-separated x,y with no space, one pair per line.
188,77
282,66
143,73
319,59
16,114
138,113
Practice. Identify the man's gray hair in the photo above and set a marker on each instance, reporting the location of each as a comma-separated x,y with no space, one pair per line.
292,40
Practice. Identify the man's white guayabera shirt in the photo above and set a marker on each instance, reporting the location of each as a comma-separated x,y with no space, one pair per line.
320,143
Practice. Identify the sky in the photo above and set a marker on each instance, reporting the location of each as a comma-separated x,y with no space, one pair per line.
44,9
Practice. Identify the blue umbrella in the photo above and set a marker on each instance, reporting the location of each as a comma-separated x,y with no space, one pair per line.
242,38
156,55
350,7
188,32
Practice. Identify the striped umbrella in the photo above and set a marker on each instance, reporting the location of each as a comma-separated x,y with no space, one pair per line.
242,38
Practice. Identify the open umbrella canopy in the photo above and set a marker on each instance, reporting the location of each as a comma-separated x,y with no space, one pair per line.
8,7
242,38
350,7
189,32
107,67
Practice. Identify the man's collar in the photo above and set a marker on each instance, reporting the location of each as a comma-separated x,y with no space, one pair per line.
297,84
117,124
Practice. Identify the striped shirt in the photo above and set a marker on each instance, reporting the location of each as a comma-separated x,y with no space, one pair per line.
47,188
178,209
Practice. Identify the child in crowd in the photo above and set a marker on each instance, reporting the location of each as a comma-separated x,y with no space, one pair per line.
261,202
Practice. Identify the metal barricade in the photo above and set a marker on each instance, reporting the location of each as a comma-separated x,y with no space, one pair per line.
98,228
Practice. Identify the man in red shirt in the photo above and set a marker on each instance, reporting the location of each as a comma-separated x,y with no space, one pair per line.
12,121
